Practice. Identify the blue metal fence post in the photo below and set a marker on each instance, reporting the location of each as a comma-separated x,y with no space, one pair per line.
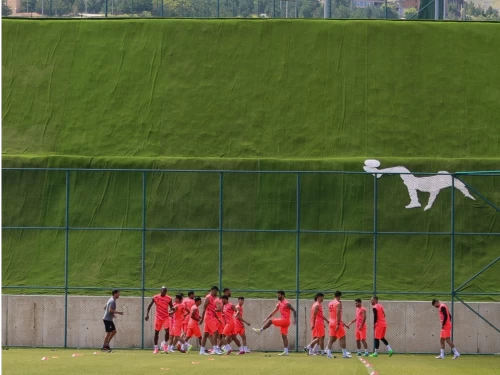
143,254
297,261
452,251
106,9
66,261
218,8
221,197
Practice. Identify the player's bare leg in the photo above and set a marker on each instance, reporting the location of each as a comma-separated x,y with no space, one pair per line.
309,348
111,335
285,344
456,354
244,342
331,341
343,346
203,343
321,342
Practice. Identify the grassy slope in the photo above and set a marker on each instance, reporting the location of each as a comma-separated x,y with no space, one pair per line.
22,361
280,95
250,88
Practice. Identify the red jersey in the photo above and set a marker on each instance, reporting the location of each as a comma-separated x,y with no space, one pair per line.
210,311
193,322
238,322
162,304
333,308
218,301
284,309
188,302
444,315
319,315
228,313
381,322
179,313
359,317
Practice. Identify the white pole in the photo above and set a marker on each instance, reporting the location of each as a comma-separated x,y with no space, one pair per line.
326,10
436,9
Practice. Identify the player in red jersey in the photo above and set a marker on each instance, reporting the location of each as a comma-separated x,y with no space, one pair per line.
239,328
162,302
220,313
193,329
445,336
360,333
180,313
212,321
317,325
380,326
284,308
228,334
188,302
336,325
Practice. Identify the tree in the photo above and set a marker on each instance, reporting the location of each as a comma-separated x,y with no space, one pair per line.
410,12
311,9
6,11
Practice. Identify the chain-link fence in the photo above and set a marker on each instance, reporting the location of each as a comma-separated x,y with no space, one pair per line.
70,236
336,9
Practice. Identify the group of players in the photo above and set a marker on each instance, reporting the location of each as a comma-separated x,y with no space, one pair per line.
181,321
224,322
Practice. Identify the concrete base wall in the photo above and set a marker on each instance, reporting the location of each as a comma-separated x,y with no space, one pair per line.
412,326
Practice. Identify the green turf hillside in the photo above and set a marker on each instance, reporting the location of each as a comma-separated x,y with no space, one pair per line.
247,95
250,88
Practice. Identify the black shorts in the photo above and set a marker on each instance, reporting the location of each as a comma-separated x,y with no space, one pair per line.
109,325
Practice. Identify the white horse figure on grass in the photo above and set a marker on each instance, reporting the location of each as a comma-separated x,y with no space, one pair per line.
431,184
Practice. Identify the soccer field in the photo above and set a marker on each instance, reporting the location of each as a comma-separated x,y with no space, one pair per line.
62,361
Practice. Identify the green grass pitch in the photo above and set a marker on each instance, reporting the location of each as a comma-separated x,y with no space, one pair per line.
28,361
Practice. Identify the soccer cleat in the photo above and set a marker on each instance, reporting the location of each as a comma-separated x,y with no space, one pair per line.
366,354
374,354
456,355
346,356
204,353
329,356
256,330
229,351
247,350
285,354
440,357
241,352
189,348
358,354
391,352
306,349
155,351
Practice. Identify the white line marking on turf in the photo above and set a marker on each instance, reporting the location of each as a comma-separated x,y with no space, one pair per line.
369,367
